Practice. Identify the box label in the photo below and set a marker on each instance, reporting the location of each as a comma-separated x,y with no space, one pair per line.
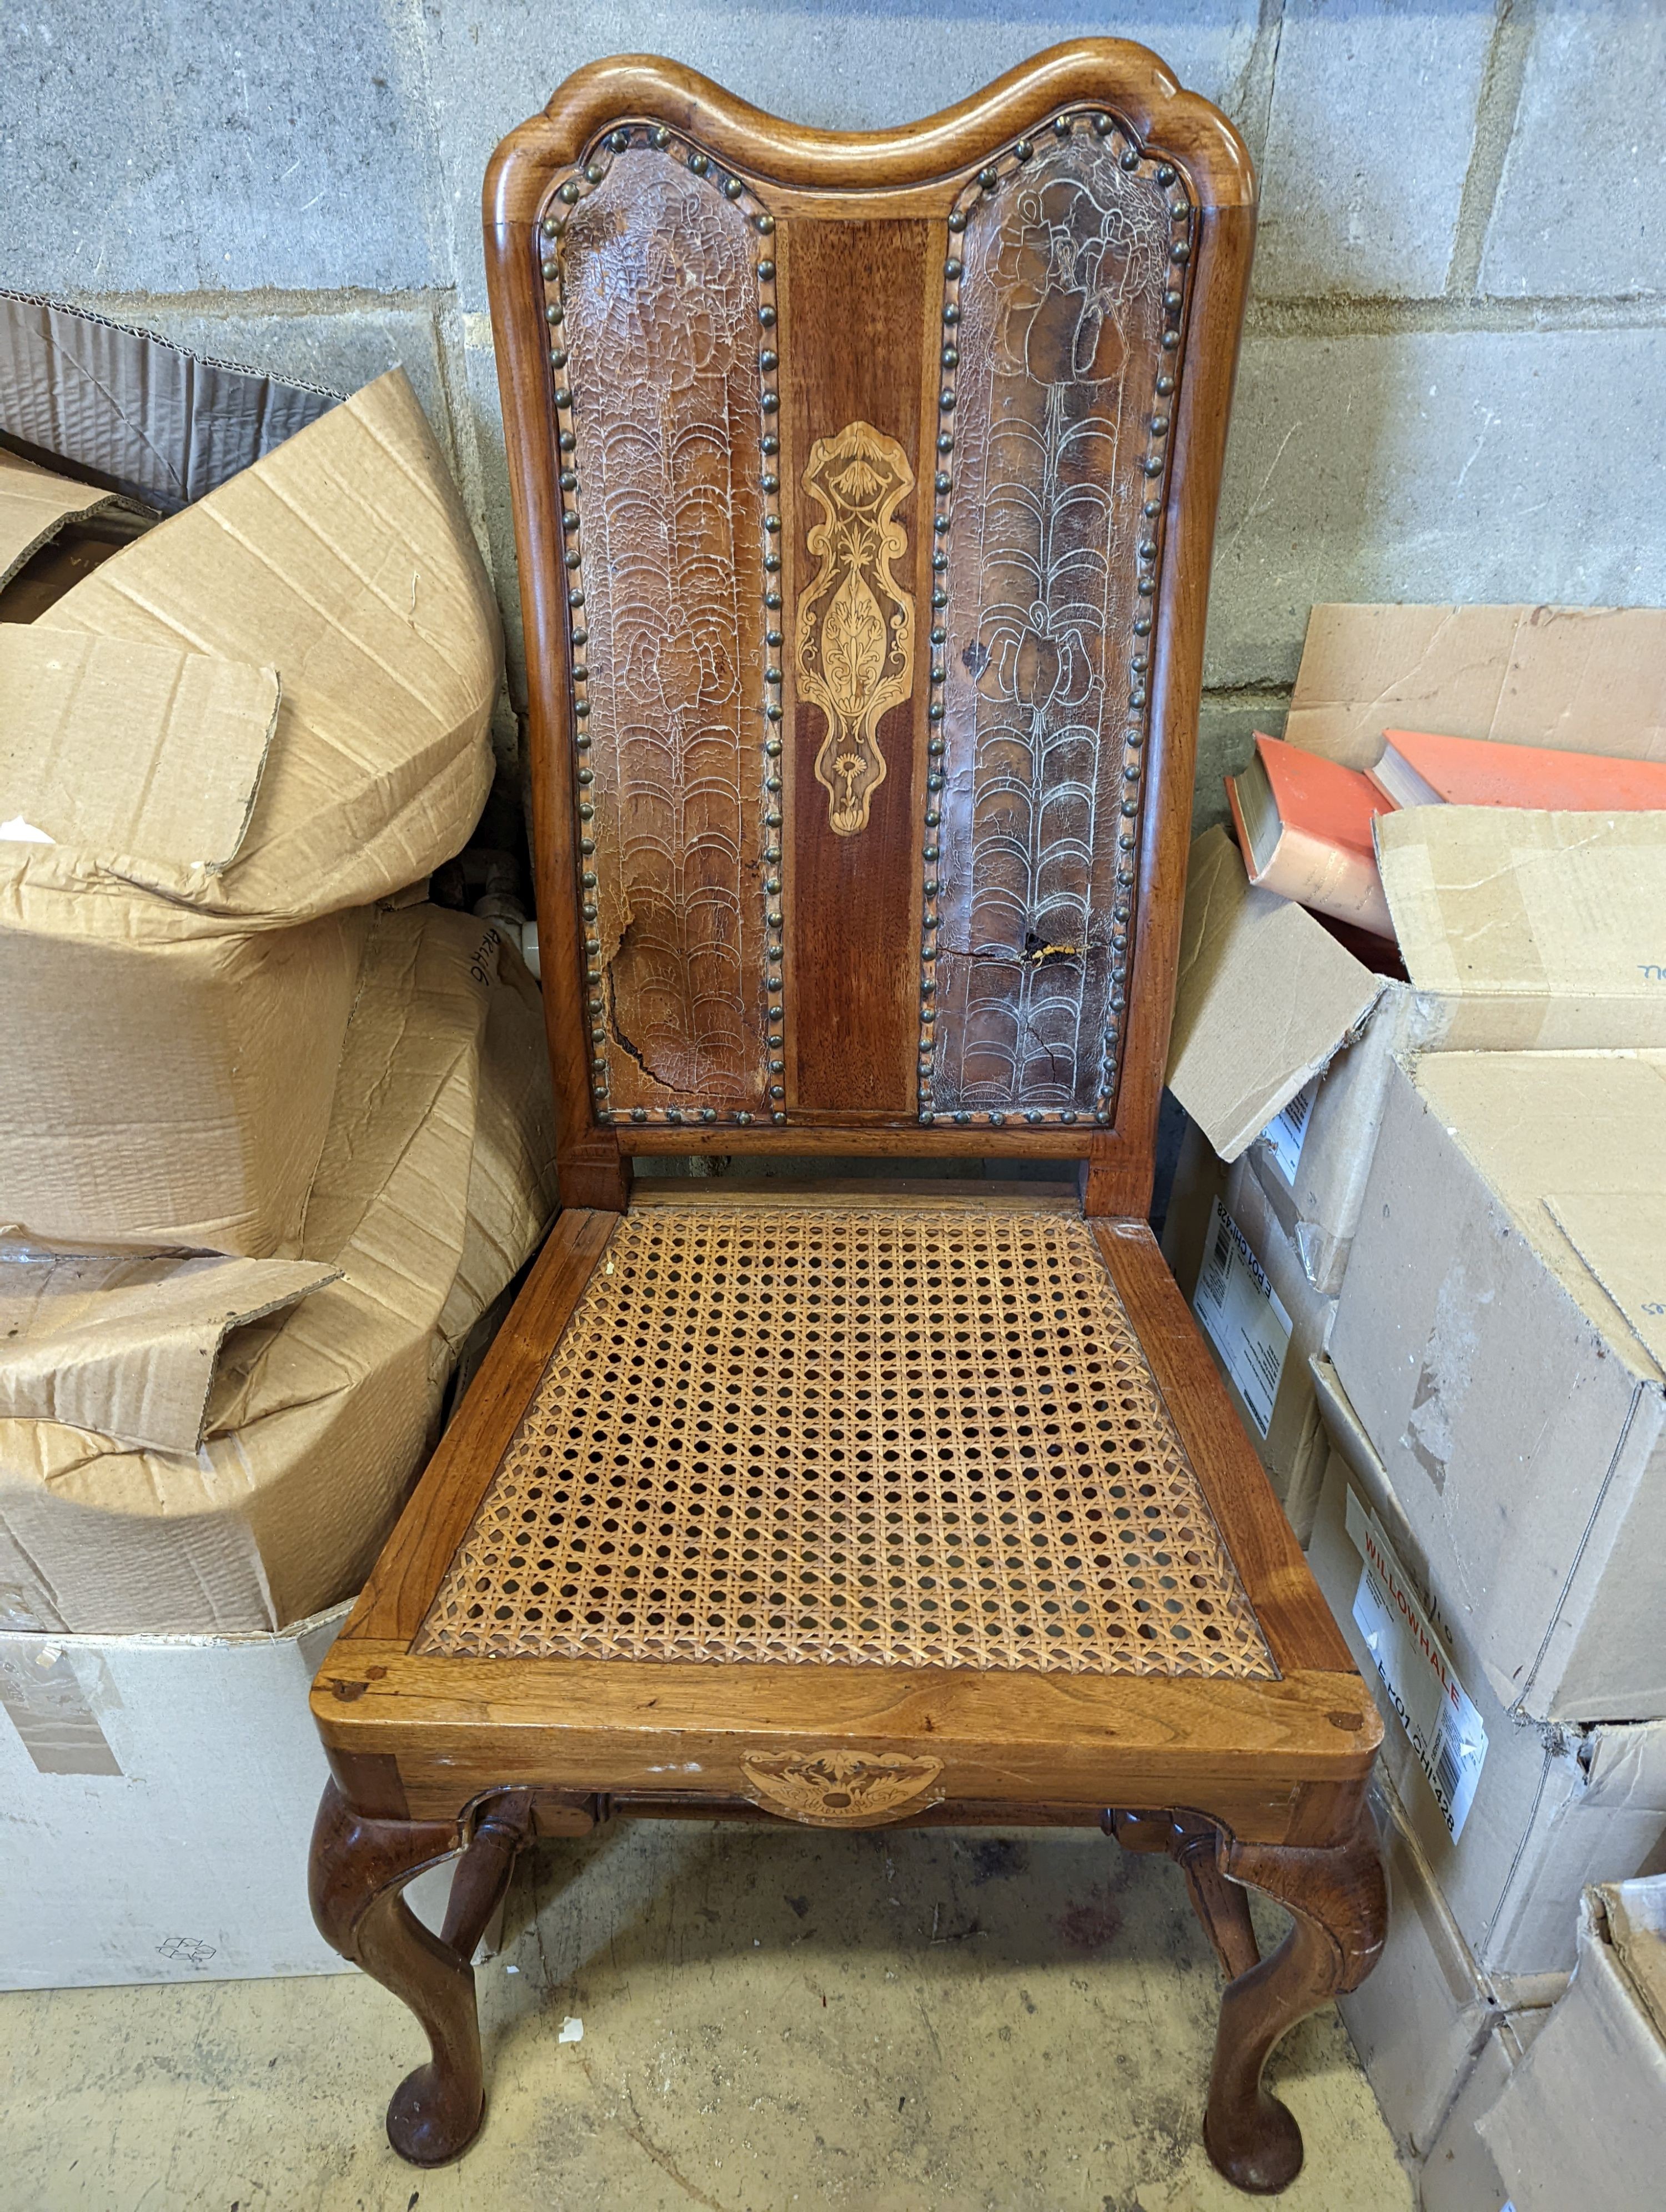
1241,1312
1284,1133
1442,1725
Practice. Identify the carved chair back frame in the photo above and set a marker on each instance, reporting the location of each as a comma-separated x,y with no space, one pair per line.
865,489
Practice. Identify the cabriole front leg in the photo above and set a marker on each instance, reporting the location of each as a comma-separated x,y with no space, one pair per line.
1339,1902
359,1869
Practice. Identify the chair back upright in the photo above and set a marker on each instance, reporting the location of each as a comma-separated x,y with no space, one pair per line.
865,488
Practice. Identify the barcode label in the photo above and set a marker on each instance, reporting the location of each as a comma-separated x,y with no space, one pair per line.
1441,1723
1284,1135
1242,1316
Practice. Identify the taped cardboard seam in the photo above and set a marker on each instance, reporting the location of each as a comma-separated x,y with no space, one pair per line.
43,1698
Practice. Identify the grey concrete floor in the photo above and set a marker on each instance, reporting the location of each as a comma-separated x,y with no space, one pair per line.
917,2021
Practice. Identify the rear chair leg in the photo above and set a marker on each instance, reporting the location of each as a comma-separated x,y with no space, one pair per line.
360,1867
1339,1904
1220,1905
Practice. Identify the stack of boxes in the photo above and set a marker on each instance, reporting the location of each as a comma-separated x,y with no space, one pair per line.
1433,1270
274,1131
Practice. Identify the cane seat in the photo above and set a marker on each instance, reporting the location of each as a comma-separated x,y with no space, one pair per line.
851,1435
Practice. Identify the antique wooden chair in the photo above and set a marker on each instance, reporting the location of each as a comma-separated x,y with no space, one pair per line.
864,490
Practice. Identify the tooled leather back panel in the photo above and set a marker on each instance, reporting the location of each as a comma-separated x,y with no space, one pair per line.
1059,321
863,531
659,298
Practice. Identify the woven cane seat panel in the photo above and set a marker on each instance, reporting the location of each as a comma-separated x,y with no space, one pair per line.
874,1436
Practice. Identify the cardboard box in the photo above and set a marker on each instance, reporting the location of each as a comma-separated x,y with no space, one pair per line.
1555,1806
1261,1317
1518,930
435,1183
1585,679
159,1795
1581,2120
1494,1336
1427,2011
221,747
131,1346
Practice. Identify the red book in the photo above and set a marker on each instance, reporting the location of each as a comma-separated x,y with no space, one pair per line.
1418,770
1304,829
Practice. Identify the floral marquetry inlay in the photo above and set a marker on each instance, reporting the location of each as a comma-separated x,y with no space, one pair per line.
855,622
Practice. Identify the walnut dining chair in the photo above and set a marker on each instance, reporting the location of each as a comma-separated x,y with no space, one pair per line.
864,493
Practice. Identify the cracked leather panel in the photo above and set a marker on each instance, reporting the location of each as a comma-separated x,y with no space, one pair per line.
659,341
1063,300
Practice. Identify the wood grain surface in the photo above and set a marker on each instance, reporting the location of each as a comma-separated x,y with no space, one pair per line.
855,333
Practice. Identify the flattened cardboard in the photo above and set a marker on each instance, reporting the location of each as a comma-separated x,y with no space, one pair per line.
132,413
1581,2120
344,560
1265,999
130,1347
1521,1421
1556,1806
127,749
1585,679
36,505
320,1418
1538,930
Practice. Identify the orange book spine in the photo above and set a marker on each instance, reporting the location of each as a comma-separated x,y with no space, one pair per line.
1486,772
1338,879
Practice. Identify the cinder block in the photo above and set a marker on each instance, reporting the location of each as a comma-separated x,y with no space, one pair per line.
1489,465
176,148
840,65
1581,207
1226,725
1372,117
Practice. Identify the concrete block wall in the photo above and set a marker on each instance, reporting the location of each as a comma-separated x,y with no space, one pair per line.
1452,379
